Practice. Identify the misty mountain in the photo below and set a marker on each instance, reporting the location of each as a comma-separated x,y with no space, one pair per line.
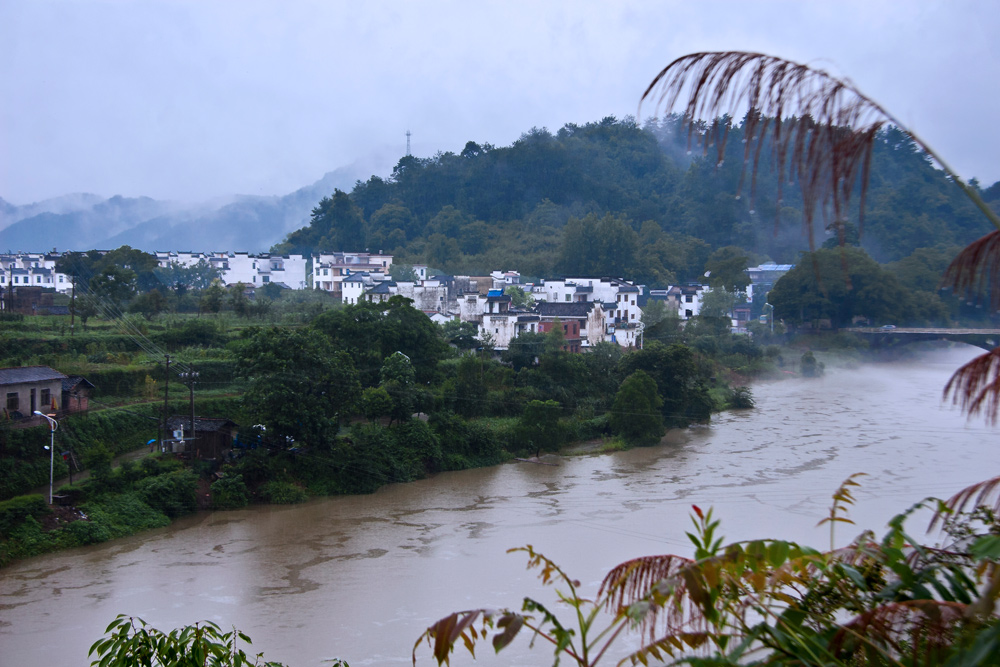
9,213
241,222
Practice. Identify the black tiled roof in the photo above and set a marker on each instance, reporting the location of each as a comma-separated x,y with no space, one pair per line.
74,381
382,287
575,309
29,374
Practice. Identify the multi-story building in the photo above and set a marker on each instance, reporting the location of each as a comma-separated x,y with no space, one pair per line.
255,270
762,279
688,299
330,269
34,270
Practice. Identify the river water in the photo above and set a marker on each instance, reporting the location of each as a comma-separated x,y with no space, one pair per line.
360,577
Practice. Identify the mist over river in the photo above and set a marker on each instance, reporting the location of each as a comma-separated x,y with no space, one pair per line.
360,577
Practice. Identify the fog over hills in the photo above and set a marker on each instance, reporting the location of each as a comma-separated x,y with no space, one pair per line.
241,222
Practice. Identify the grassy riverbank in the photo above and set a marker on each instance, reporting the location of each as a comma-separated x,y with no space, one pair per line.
359,397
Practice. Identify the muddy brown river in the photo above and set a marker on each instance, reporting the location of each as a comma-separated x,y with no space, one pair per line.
360,577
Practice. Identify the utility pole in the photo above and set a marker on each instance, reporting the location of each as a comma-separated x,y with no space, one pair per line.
191,376
408,142
166,395
72,309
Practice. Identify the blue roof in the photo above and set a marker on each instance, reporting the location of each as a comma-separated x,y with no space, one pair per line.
494,292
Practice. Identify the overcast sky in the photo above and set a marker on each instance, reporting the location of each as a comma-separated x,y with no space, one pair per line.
189,100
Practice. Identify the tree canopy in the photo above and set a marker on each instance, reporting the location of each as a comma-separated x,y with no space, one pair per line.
613,198
840,285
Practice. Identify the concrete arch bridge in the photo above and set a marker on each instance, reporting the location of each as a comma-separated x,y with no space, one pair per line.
877,337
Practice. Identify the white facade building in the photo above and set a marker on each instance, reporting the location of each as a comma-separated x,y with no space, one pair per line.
330,269
687,299
34,270
243,267
620,306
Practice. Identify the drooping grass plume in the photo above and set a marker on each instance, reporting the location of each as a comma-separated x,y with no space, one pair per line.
822,130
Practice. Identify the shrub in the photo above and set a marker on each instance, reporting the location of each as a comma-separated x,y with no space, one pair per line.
123,514
16,510
282,493
595,427
27,539
88,532
173,493
809,366
229,492
741,397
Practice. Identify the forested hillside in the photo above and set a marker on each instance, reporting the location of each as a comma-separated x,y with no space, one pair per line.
614,198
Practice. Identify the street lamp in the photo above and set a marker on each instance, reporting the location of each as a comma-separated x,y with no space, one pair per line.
53,425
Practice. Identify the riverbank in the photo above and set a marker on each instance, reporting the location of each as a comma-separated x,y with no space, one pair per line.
140,494
140,490
360,577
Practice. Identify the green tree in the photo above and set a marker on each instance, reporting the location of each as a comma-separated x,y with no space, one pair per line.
398,379
181,278
679,381
525,350
390,226
717,303
238,300
466,392
598,246
142,264
839,285
149,305
343,222
297,384
727,269
635,414
84,306
448,222
519,298
441,250
403,273
370,332
473,237
538,428
335,224
662,323
114,284
376,403
460,334
131,642
211,299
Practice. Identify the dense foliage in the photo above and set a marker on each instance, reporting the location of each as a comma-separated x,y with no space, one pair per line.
613,198
131,642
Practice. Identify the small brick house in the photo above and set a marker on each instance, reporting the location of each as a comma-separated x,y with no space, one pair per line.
76,394
212,437
28,388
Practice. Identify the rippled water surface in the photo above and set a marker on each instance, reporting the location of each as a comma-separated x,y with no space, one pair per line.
360,577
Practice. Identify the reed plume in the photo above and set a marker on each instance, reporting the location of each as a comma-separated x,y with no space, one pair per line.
822,130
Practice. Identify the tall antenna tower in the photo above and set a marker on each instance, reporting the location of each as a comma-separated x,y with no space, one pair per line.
408,142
